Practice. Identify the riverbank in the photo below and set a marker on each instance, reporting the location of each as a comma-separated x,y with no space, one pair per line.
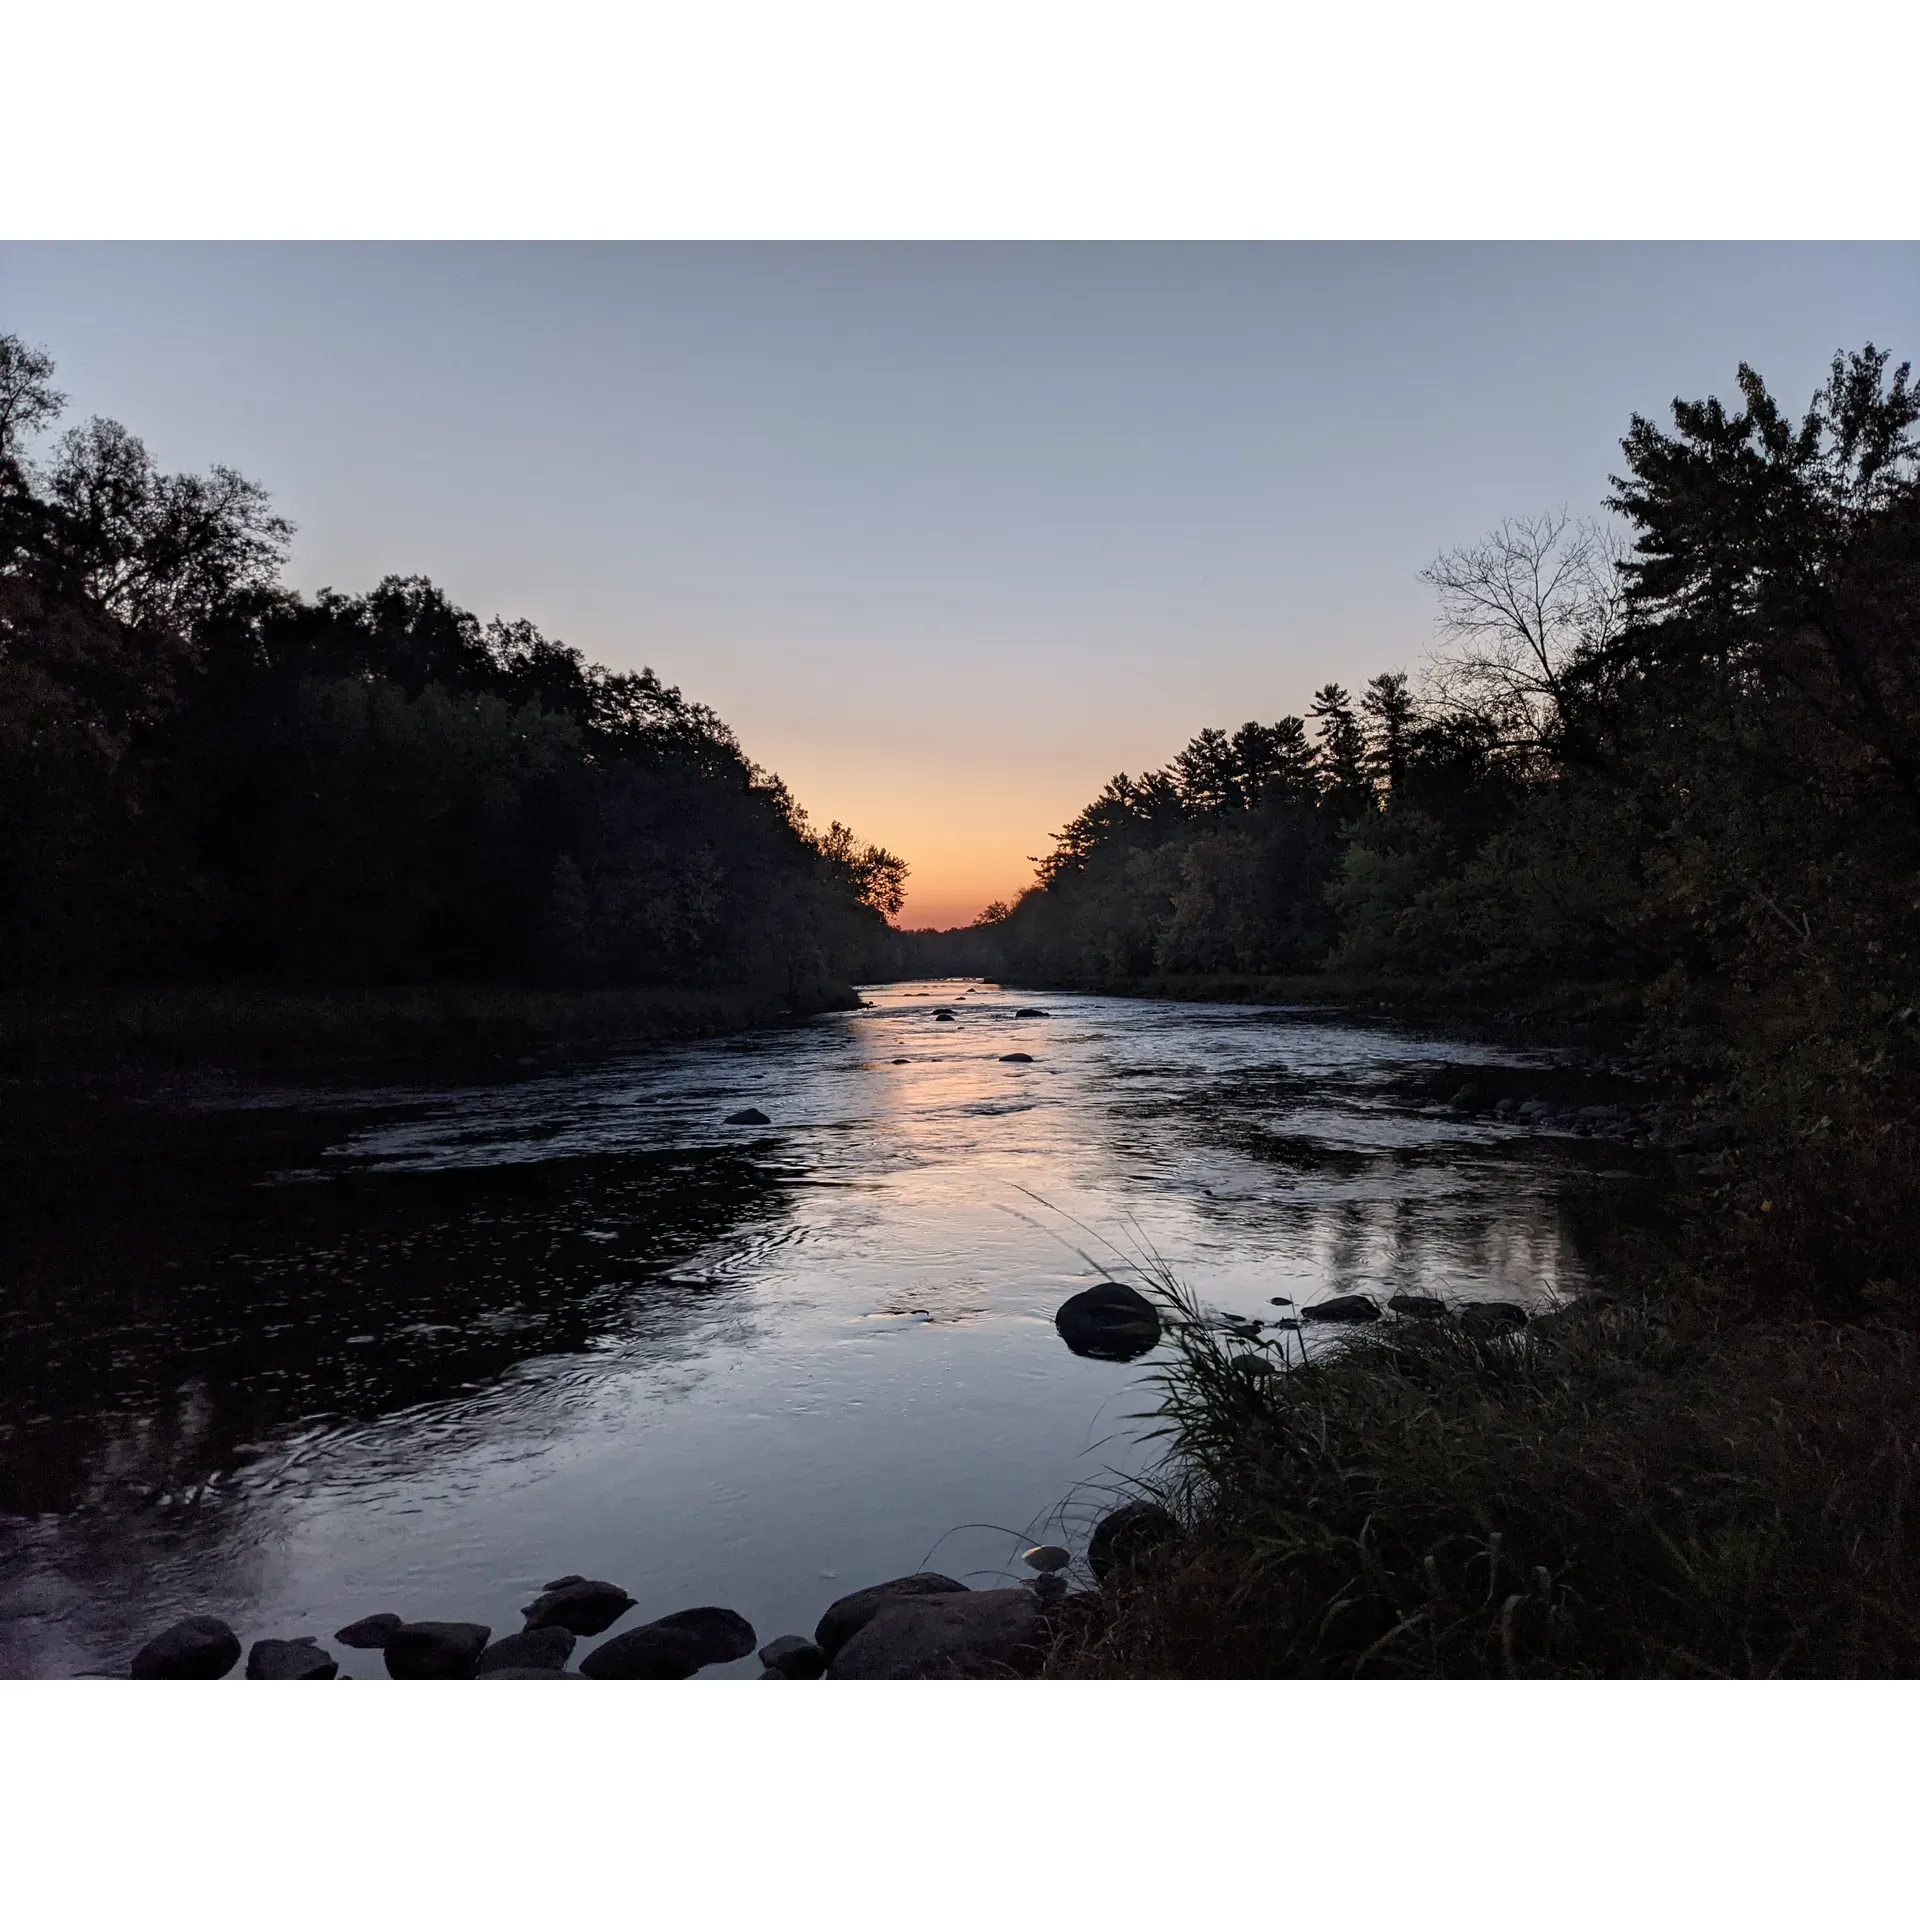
245,1028
1676,1477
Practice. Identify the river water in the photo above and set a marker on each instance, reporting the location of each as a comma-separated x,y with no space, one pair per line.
426,1347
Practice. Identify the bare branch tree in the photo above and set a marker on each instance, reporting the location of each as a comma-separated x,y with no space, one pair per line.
27,397
1517,611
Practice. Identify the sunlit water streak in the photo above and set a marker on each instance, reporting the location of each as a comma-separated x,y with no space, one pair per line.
577,1322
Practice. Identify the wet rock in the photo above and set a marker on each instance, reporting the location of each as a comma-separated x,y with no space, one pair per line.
674,1647
1418,1306
1251,1363
794,1657
1109,1322
532,1647
1032,1013
852,1611
1506,1108
1049,1588
1535,1109
526,1673
1016,1059
565,1580
1346,1310
197,1648
436,1649
903,1061
373,1631
290,1660
943,1015
585,1607
1128,1539
1489,1317
1047,1559
997,1634
1466,1100
748,1117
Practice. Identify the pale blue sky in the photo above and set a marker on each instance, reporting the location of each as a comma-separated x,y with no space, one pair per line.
947,533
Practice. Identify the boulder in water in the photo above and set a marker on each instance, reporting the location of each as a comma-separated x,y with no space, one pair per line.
585,1607
674,1647
748,1117
794,1657
1016,1059
531,1647
436,1649
1045,1560
943,1014
374,1631
526,1673
1109,1322
1347,1310
197,1648
852,1611
1418,1306
997,1634
1032,1013
290,1660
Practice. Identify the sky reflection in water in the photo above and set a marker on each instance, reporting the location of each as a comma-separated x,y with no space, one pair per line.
578,1323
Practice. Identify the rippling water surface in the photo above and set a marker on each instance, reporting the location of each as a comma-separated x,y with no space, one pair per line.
431,1347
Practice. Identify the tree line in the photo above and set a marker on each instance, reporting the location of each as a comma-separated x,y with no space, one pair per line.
1666,764
206,776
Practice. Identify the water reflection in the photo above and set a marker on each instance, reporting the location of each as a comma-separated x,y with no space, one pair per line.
429,1347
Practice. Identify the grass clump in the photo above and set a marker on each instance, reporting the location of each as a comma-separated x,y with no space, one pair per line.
1662,1487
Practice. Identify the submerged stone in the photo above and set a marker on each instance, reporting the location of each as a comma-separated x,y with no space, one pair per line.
1418,1306
1017,1059
1349,1310
748,1117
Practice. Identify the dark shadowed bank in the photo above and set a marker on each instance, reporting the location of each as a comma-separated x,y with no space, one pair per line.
269,1028
237,823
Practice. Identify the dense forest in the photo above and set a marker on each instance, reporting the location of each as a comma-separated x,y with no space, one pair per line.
1665,768
1667,765
206,777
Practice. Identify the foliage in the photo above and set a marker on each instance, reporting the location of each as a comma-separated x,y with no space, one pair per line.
206,777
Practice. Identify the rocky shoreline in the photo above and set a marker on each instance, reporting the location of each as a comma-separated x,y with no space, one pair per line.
920,1626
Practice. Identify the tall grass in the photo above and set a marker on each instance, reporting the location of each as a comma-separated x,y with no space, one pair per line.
1634,1489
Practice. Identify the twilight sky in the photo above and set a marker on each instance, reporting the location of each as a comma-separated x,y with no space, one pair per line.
947,533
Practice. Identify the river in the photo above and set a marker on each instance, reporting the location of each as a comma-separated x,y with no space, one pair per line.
424,1347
